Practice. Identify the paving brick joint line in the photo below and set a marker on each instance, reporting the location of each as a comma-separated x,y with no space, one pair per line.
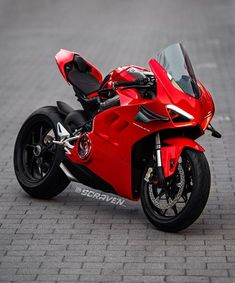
73,238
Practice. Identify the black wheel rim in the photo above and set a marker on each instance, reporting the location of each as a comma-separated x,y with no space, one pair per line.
38,151
167,193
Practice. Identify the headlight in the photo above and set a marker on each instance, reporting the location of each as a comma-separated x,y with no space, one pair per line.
177,114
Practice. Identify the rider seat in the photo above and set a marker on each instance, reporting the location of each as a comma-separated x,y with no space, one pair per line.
81,76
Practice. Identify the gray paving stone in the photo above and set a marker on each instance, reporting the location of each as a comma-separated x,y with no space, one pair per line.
101,278
62,277
22,278
222,280
206,272
186,279
143,278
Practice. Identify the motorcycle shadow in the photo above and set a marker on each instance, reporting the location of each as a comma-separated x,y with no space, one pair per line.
82,202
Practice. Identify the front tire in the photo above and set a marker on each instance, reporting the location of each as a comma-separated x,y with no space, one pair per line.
182,201
36,158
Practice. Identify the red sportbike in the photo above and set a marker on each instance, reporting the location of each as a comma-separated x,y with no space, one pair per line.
135,137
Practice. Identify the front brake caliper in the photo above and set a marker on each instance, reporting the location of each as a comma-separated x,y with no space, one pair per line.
149,174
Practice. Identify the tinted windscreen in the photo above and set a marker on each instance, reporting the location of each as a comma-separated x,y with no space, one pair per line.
176,62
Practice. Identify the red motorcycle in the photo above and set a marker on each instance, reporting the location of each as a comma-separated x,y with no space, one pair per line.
135,137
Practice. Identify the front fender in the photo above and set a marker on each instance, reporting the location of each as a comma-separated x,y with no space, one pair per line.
171,151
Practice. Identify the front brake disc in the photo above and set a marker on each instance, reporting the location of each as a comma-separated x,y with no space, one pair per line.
164,204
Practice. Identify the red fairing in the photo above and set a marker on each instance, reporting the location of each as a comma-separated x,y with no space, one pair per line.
171,152
201,109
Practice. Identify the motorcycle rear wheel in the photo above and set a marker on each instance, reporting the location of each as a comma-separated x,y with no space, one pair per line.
180,203
36,158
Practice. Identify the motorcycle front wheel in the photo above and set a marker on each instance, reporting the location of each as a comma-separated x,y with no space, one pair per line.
37,158
177,204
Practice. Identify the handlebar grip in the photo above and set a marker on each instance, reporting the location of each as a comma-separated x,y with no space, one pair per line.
143,81
114,101
128,83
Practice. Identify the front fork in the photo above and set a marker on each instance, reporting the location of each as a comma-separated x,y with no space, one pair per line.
156,173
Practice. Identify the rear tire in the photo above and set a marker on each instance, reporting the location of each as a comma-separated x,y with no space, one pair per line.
36,163
194,204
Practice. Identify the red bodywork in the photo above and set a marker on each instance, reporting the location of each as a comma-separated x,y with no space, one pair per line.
115,130
65,56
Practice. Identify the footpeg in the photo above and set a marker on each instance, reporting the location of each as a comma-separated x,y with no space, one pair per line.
62,132
65,138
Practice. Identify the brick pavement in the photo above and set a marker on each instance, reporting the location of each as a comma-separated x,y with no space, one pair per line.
71,238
